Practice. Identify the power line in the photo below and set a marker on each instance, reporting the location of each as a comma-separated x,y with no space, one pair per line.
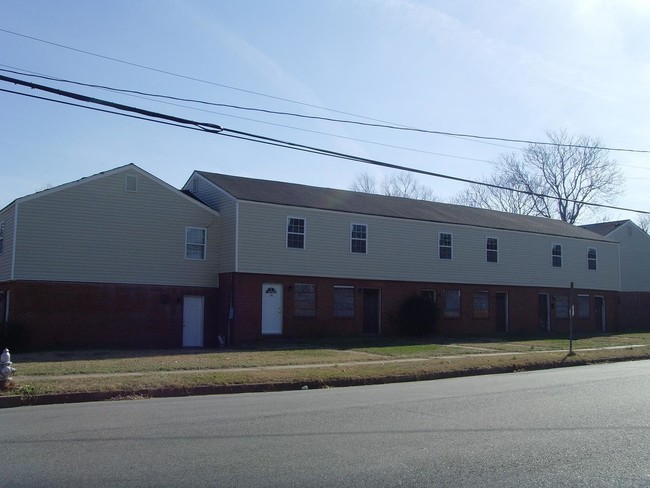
329,119
217,129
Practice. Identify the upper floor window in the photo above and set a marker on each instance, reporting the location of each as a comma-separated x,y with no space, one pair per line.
359,238
592,262
492,250
195,240
295,233
444,246
556,254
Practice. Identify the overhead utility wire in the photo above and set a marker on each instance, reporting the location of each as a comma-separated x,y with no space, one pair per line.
327,119
144,95
118,106
217,129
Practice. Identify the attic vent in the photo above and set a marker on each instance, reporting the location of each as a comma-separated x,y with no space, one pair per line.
131,183
195,185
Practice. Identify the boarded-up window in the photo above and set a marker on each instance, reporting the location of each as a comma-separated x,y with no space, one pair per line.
481,305
304,300
343,301
583,306
562,306
452,303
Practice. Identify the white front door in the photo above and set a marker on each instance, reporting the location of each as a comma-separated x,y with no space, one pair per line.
192,321
271,308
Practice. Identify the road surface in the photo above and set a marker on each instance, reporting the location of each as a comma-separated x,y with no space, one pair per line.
583,426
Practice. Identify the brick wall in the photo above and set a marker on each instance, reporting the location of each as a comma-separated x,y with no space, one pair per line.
76,315
522,310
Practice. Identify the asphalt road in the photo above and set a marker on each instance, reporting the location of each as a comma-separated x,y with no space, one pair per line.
582,426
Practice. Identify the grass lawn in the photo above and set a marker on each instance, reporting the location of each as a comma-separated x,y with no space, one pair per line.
323,362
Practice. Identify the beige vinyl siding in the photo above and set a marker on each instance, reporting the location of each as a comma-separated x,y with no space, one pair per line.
95,231
635,257
399,249
227,207
7,215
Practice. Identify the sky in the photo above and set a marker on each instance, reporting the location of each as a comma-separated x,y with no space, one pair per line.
511,69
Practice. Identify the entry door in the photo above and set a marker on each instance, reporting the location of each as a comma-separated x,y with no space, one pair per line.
192,321
543,312
599,313
371,311
502,312
271,308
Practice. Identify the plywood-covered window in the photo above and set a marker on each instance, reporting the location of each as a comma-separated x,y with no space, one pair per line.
583,307
481,305
343,301
562,306
304,300
452,303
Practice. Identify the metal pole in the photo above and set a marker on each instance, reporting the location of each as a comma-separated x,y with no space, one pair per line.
571,353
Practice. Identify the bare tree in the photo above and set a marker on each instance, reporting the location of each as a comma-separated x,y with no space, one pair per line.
644,223
402,184
364,183
559,179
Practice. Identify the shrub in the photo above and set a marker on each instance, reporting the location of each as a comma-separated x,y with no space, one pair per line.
417,316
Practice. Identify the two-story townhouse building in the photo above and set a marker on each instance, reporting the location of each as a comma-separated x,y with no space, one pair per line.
118,259
299,260
634,299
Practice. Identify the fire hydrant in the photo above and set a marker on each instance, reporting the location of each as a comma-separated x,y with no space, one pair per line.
5,367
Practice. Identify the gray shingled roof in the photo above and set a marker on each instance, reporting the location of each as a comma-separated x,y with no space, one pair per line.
291,194
604,228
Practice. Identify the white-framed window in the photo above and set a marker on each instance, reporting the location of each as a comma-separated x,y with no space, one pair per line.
583,307
343,301
562,306
556,255
358,238
304,300
296,233
452,303
131,183
2,236
481,303
445,249
492,250
592,259
195,242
